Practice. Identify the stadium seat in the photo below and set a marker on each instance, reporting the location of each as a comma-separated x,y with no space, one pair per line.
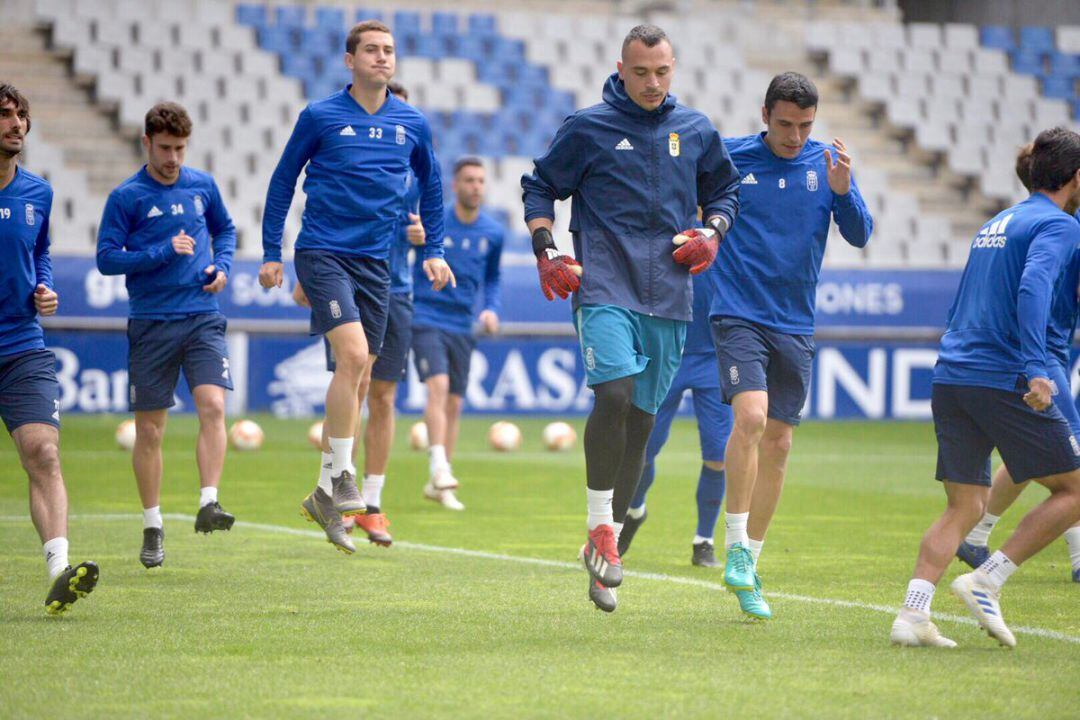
998,37
1028,62
1037,39
251,14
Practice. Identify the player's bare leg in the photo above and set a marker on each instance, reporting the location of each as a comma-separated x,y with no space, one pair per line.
210,456
773,452
147,463
750,409
438,418
1003,493
351,353
378,439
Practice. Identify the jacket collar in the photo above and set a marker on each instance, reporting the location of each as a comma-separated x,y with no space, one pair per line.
615,96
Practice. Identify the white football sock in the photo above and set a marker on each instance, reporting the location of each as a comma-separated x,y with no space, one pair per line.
341,449
920,593
980,534
599,502
636,513
698,539
56,555
1072,538
325,465
735,528
151,517
437,459
372,490
207,495
998,567
755,548
618,530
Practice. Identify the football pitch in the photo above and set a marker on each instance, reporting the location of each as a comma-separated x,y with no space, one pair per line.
484,613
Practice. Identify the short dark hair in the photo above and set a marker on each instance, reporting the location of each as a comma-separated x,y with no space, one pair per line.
791,87
11,94
398,90
170,118
353,38
467,161
650,35
1023,165
1054,159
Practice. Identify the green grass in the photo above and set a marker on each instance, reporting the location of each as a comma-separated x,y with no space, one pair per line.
263,624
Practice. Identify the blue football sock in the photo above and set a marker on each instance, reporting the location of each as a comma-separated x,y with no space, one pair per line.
648,474
710,496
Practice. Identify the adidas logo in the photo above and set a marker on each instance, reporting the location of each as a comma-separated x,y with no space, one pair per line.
348,131
154,212
624,144
749,180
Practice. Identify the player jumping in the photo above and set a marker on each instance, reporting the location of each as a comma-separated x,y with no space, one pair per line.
993,389
358,147
638,166
157,229
29,391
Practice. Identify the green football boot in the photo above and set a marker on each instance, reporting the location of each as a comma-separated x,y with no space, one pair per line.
739,569
753,603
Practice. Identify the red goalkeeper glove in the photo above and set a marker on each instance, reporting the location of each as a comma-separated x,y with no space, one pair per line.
697,248
559,274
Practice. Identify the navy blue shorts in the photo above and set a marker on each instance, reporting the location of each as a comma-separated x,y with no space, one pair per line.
159,349
344,289
29,392
390,365
714,419
439,352
971,421
754,357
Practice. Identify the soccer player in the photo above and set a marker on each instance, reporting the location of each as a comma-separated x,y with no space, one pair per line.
358,146
29,392
993,389
638,165
442,326
764,285
167,230
1059,334
697,374
388,368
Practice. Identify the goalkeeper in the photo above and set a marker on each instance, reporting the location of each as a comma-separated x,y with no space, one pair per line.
638,166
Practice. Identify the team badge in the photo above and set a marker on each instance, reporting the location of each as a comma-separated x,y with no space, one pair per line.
199,209
335,309
811,180
733,374
590,358
673,144
30,214
399,134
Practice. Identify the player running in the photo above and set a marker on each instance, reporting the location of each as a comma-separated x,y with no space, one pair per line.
697,374
1059,334
358,147
167,230
638,166
380,388
993,389
442,339
764,286
29,391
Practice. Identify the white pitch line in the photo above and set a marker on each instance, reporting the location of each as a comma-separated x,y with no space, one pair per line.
561,564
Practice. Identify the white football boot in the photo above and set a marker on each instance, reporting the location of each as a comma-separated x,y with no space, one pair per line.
446,498
443,479
912,628
976,591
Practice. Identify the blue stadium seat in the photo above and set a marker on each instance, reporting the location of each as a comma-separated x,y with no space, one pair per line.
290,15
330,18
324,42
997,36
1040,39
364,14
1059,87
1064,65
251,15
1076,109
1028,62
472,47
281,40
482,25
444,23
406,22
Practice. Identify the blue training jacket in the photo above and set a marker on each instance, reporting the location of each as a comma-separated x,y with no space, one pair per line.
135,239
996,334
768,265
25,207
473,252
636,178
400,274
1063,310
357,169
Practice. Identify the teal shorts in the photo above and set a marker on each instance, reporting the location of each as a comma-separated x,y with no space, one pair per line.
618,343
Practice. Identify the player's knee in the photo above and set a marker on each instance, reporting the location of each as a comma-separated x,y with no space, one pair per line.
777,445
351,361
614,398
148,433
211,410
381,399
750,421
41,458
